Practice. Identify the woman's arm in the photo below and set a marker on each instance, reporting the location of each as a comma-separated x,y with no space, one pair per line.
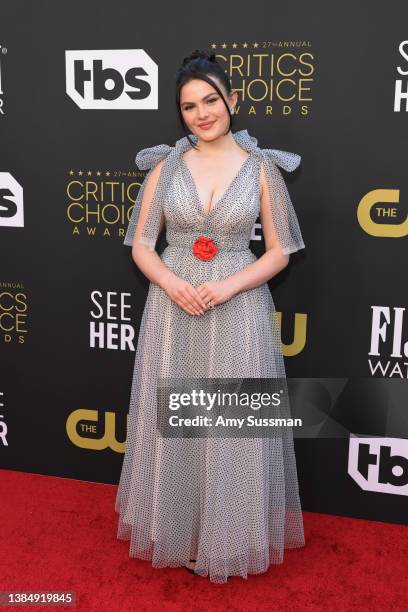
146,259
149,262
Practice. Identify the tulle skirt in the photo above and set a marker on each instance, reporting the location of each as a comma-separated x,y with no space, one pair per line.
231,503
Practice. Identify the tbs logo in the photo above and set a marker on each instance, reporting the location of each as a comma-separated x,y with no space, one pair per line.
379,464
11,201
112,79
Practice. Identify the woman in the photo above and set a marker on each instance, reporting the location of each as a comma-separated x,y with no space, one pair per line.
224,506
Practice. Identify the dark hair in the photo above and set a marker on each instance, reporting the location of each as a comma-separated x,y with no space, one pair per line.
198,65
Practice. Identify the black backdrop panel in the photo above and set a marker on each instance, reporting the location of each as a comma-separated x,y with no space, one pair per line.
320,81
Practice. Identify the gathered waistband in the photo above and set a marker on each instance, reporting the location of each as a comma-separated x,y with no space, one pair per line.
221,248
190,241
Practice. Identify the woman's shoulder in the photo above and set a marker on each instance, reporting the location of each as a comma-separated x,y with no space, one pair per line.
151,156
287,160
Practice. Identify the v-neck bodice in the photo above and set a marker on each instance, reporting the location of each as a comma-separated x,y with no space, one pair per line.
225,193
230,220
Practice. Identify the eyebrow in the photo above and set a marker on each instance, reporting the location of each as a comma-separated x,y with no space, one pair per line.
204,98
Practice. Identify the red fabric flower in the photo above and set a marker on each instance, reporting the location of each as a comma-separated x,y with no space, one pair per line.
204,248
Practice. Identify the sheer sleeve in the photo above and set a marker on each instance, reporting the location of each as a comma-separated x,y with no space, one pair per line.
151,198
283,215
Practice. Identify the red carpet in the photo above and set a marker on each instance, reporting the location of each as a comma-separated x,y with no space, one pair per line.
60,534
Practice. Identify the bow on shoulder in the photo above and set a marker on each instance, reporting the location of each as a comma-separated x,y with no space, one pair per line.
147,158
285,159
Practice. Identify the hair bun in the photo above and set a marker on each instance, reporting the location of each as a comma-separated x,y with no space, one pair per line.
199,54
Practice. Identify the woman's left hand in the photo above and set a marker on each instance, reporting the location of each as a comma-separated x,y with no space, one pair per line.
216,292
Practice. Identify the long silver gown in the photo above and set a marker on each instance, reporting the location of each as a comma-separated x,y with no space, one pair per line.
230,503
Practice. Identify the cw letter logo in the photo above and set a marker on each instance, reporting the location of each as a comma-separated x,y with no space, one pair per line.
383,230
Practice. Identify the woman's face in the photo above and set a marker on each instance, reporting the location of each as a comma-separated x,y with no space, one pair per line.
203,110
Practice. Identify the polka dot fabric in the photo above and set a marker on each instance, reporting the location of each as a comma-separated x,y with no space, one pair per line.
230,503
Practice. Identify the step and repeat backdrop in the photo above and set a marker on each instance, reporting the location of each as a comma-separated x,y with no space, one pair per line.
84,87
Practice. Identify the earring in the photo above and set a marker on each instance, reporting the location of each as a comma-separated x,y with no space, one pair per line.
232,110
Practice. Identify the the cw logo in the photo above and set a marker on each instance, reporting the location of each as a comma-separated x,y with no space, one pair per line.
108,439
374,228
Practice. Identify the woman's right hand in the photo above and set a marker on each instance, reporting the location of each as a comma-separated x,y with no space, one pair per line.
184,295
